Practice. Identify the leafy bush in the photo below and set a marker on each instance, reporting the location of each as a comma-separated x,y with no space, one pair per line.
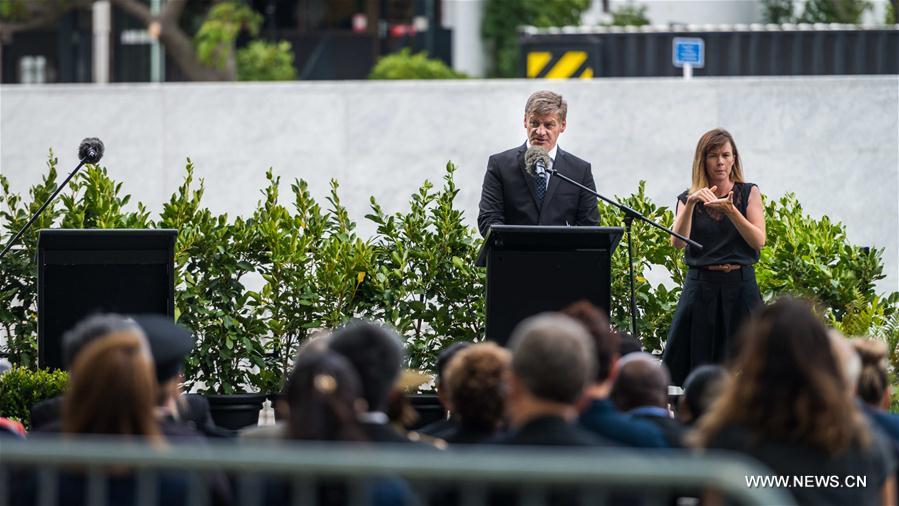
21,388
778,11
630,14
266,61
502,18
835,11
890,18
416,273
405,65
214,41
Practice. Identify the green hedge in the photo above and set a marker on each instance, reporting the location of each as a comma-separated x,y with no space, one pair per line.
416,272
21,388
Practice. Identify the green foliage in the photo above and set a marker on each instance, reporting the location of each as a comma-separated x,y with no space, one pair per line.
630,14
652,251
835,11
890,17
813,258
502,18
405,65
426,284
21,388
254,289
214,41
266,61
778,11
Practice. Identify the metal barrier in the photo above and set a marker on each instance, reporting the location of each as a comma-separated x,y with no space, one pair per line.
589,475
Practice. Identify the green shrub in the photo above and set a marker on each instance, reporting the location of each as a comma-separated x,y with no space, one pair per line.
416,273
266,61
502,18
405,65
630,14
21,388
835,11
778,11
890,17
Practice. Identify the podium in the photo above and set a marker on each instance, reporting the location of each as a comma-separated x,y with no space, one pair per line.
83,272
533,269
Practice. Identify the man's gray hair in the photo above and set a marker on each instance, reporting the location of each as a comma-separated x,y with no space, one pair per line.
544,102
553,357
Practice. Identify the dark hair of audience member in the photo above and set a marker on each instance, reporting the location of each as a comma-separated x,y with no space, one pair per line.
640,382
323,393
873,381
475,378
628,344
605,340
113,388
375,353
443,359
88,330
790,387
701,388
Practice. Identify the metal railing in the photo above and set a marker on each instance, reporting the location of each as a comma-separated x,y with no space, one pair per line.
588,476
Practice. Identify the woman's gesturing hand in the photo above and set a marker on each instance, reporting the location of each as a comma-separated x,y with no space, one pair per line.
724,205
704,195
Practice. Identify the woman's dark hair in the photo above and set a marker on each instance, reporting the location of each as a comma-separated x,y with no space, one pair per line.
788,385
873,380
475,379
322,393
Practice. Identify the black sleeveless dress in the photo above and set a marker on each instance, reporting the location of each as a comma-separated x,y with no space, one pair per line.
713,304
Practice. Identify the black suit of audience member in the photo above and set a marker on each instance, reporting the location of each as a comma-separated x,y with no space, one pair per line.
553,431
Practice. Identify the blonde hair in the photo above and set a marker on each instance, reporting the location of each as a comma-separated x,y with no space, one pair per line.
713,139
113,388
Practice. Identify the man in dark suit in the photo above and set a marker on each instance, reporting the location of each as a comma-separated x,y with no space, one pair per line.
512,196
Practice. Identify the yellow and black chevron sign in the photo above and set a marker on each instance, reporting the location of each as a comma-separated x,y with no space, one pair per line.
558,65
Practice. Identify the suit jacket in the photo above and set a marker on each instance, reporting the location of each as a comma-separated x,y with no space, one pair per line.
553,431
508,195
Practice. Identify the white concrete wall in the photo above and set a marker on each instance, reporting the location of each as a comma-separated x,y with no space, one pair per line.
833,141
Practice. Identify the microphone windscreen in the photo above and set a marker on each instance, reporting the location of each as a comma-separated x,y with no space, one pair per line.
533,154
91,150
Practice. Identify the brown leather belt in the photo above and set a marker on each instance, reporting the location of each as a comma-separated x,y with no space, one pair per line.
723,267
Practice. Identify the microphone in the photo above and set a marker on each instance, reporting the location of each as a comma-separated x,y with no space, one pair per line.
536,160
90,150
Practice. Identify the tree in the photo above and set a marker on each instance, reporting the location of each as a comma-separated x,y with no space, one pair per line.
198,62
835,11
778,11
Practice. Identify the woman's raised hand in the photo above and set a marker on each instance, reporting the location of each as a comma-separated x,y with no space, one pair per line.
704,195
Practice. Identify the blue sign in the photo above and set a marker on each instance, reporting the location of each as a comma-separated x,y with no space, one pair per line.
689,51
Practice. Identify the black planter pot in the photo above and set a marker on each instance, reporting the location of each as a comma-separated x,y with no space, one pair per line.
428,407
234,412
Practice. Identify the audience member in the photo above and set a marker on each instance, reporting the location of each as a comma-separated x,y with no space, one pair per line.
442,428
553,359
641,391
376,354
792,410
599,414
46,415
702,388
112,392
475,379
873,386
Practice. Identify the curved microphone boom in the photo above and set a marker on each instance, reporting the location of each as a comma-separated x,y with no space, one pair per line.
89,151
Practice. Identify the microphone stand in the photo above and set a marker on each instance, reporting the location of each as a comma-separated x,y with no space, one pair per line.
44,206
629,215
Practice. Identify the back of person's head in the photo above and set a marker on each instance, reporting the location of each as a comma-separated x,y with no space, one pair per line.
112,388
324,395
628,344
605,341
87,331
642,381
553,357
375,353
475,378
544,102
444,358
848,361
873,380
701,388
791,387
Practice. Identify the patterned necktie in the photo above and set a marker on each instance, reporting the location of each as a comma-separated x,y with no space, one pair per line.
540,186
